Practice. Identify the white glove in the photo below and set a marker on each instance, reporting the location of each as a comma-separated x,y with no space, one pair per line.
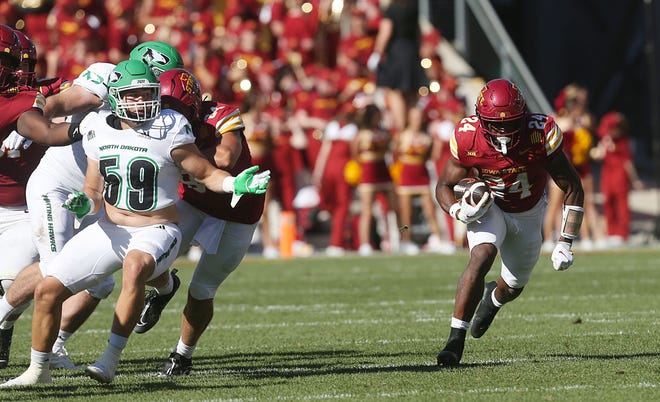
466,212
562,256
373,61
14,142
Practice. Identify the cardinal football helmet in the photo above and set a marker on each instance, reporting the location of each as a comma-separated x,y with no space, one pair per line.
28,60
134,79
10,54
159,56
501,108
181,91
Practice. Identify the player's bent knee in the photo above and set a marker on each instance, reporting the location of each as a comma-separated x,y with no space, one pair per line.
483,254
51,291
202,292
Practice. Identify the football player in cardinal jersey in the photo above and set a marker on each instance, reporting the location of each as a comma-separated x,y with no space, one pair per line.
513,151
135,156
21,108
208,219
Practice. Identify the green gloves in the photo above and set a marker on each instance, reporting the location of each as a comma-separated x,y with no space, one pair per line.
79,203
248,182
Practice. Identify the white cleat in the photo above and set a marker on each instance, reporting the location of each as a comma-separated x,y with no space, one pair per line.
99,372
30,377
59,359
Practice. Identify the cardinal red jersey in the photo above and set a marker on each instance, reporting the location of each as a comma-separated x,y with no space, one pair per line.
15,172
221,119
517,179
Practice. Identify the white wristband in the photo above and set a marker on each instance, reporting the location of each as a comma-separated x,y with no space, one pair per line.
453,210
571,221
228,184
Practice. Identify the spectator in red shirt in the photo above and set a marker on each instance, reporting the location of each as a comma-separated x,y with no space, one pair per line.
618,175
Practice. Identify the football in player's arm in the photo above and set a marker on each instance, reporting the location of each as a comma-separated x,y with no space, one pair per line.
513,151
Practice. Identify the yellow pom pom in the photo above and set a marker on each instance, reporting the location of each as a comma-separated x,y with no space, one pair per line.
352,172
395,172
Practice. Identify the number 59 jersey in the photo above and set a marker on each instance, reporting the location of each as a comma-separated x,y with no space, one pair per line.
136,164
517,179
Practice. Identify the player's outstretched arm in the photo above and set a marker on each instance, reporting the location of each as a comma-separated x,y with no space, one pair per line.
74,100
190,159
34,126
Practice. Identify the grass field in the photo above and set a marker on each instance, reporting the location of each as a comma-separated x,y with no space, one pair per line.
370,328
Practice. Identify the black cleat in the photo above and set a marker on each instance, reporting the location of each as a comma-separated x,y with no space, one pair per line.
154,304
175,365
5,345
485,313
451,355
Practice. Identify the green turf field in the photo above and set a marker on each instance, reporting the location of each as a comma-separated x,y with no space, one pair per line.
370,328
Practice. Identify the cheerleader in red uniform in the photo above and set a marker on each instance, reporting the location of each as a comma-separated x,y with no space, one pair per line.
413,149
328,176
369,148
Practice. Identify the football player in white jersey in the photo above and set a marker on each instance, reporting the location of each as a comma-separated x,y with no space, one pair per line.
135,158
223,231
53,225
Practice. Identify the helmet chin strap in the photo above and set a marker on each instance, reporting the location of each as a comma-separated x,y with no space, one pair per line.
503,141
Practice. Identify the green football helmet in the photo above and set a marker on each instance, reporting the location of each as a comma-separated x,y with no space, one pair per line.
159,56
134,79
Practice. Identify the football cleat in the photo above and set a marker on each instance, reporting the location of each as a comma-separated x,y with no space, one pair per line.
451,355
5,345
31,376
485,313
154,304
99,372
59,359
176,364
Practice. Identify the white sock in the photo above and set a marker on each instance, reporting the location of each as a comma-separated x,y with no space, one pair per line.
110,358
37,372
39,359
459,324
119,342
185,350
495,302
167,288
62,337
6,309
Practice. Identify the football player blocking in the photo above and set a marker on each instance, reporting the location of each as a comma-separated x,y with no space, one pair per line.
513,151
46,193
143,222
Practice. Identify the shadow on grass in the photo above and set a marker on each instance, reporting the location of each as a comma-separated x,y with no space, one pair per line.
238,370
253,366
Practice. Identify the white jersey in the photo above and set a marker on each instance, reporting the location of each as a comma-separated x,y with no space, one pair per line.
140,174
70,161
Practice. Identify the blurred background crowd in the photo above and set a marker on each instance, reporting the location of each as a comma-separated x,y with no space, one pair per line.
324,111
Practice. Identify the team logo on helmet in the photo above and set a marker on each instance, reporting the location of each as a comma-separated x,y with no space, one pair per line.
115,76
187,82
152,56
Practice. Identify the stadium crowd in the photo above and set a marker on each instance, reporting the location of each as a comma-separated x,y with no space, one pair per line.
305,76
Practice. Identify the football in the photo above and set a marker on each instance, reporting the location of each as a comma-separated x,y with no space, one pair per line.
474,186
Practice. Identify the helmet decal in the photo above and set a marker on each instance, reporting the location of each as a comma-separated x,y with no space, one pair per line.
152,56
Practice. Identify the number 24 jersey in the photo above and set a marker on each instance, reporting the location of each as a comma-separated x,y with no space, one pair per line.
517,179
